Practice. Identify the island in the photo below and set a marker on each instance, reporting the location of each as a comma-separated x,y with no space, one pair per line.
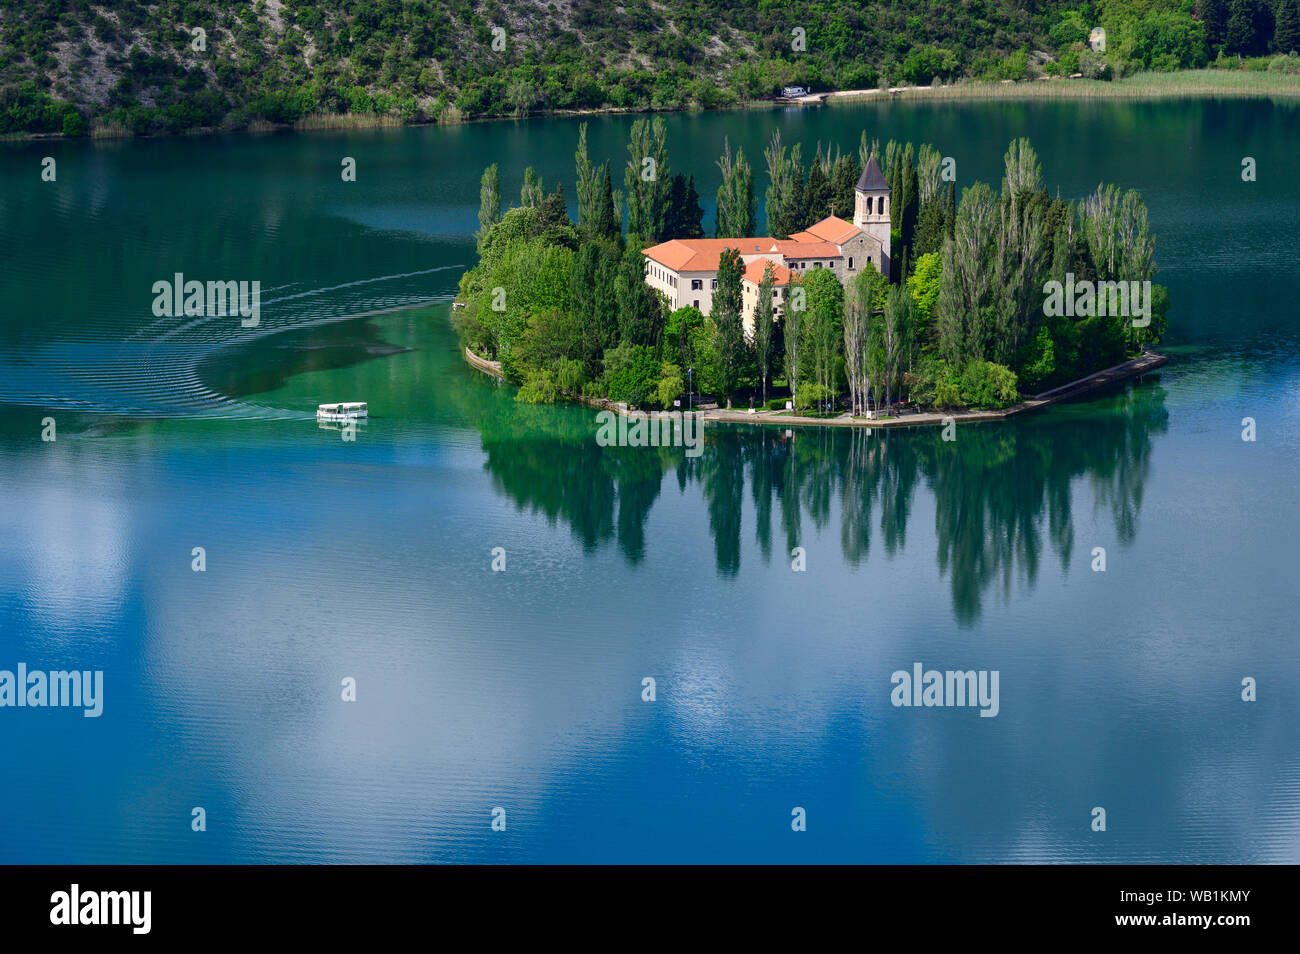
919,304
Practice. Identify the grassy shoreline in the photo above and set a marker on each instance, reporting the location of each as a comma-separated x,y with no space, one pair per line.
1185,84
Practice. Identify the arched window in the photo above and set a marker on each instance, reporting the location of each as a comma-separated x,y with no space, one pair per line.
868,205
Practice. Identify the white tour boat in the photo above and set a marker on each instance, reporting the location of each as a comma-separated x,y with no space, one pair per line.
341,412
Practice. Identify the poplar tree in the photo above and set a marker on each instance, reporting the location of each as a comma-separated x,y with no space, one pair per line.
729,336
782,191
897,333
824,328
588,188
793,319
737,208
489,202
532,194
763,321
857,312
648,179
963,312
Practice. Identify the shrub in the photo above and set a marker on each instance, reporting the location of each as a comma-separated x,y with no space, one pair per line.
631,374
985,384
539,387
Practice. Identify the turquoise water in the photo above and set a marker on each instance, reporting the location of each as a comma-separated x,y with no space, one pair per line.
371,559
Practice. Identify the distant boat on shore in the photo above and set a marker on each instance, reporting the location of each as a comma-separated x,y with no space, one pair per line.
341,412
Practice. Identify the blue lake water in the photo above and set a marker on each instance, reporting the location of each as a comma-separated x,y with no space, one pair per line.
371,559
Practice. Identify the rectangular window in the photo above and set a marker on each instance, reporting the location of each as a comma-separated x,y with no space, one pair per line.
715,284
696,303
696,284
850,263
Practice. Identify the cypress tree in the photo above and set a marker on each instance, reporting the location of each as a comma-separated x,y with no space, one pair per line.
818,195
692,221
607,224
1239,35
1286,30
844,183
640,309
1214,15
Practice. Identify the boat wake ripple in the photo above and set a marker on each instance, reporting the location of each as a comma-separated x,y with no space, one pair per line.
154,371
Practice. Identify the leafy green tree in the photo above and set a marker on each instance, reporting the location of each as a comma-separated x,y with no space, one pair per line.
640,308
679,343
540,387
522,95
632,374
923,284
897,337
965,311
823,329
594,302
671,385
863,304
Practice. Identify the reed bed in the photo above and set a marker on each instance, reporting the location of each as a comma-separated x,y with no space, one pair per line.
1189,84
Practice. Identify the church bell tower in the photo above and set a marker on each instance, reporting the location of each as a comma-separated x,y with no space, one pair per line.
871,208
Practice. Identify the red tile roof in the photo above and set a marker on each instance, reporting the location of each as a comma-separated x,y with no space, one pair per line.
702,255
754,272
799,249
830,229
